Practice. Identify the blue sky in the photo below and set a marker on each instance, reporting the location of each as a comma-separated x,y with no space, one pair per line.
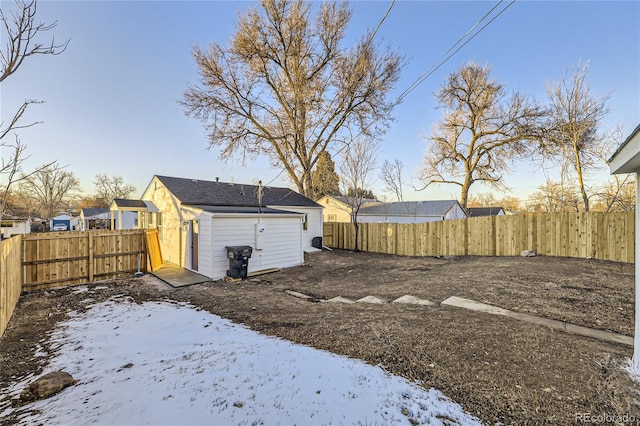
111,97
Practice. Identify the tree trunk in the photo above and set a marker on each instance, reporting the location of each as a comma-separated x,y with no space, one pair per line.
355,227
578,164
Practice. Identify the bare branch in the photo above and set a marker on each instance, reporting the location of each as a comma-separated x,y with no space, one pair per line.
21,32
285,88
573,138
481,133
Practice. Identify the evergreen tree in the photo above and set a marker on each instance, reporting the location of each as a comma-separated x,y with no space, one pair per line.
324,177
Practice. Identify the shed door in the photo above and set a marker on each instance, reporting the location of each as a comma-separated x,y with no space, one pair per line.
194,245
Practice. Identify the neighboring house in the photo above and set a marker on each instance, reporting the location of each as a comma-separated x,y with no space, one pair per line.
197,219
411,212
485,211
338,208
10,227
100,218
134,214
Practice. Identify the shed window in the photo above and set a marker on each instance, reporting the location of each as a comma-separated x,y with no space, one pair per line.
305,224
331,218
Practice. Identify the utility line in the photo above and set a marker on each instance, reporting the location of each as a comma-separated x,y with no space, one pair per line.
448,54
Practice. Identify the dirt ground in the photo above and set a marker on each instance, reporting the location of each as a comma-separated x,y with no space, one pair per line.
499,369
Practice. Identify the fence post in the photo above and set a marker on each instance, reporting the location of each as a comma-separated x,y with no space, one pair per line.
91,254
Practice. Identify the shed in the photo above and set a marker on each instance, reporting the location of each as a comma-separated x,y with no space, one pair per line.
626,159
197,219
411,212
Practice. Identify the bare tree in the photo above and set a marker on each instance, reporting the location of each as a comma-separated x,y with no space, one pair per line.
486,199
358,164
51,187
391,175
107,188
617,194
553,197
287,89
21,41
481,132
573,139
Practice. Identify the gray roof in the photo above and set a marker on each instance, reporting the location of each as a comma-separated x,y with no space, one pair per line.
410,208
94,211
349,200
484,211
209,193
123,202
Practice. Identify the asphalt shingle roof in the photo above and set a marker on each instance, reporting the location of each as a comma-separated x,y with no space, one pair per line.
94,211
483,211
209,193
123,202
412,208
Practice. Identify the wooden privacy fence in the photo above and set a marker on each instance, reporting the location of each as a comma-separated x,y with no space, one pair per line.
56,259
10,278
67,258
605,236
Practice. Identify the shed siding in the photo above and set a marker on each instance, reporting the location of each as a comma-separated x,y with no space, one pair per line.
314,223
205,238
281,242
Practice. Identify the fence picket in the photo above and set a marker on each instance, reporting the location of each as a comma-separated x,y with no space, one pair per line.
605,236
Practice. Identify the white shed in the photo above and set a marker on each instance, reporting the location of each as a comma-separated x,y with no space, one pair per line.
197,219
275,237
627,160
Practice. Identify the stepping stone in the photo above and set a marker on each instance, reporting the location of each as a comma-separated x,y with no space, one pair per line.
371,299
296,294
472,305
340,299
412,300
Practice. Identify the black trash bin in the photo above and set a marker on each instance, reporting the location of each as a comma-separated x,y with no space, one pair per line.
238,260
316,242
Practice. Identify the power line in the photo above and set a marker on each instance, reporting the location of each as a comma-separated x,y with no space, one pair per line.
448,54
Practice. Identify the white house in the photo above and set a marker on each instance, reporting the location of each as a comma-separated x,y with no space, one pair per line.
411,212
100,218
627,160
197,219
11,227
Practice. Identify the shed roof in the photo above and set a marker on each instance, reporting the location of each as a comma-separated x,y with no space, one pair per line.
411,208
204,192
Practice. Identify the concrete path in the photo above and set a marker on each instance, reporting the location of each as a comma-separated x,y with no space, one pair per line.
472,305
555,324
